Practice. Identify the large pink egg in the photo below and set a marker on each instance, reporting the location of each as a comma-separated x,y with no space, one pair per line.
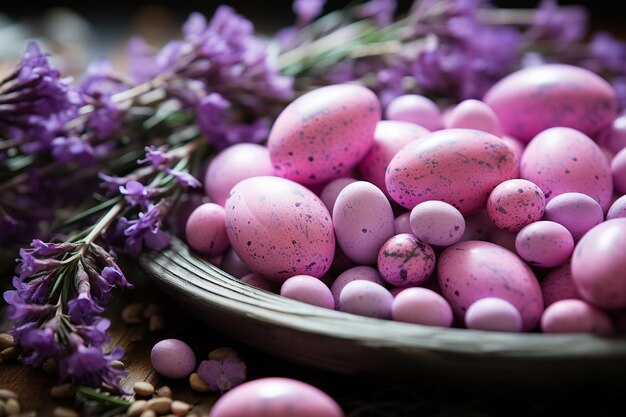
599,265
458,166
561,160
275,397
536,98
473,270
279,228
324,133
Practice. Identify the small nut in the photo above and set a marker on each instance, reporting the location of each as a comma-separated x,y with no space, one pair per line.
160,405
63,391
164,391
12,407
9,354
131,314
50,366
155,323
6,341
197,384
151,310
222,353
6,394
148,413
136,408
118,365
180,408
64,412
144,389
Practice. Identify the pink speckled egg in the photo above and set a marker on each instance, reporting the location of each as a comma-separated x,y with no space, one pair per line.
458,166
544,244
472,270
617,209
539,97
515,203
363,221
366,298
561,160
279,228
324,133
309,290
618,170
234,164
363,272
331,191
402,223
576,211
599,265
389,138
417,109
615,139
575,316
205,230
173,358
405,261
493,314
473,114
559,285
421,306
437,223
275,397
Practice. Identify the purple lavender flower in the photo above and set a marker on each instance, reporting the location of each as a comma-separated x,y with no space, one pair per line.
382,11
73,149
307,10
136,193
606,53
565,25
185,179
141,60
157,156
90,367
39,345
222,375
145,230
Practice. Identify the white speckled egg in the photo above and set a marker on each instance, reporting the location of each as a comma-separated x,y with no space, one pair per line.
279,228
324,133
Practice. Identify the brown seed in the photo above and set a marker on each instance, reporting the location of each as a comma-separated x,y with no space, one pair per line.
131,314
180,408
151,310
63,391
64,412
222,353
136,408
6,341
156,323
118,365
160,405
164,391
50,366
12,407
9,354
144,389
6,394
197,384
148,413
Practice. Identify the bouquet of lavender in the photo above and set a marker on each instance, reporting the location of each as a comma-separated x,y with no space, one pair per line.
93,169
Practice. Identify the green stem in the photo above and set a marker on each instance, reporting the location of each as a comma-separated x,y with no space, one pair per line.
103,398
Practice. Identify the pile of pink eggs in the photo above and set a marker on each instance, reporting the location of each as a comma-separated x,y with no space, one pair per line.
506,214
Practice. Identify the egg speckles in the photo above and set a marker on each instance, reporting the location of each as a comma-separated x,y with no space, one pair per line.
279,228
324,133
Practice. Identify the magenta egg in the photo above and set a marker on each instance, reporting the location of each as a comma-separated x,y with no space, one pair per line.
473,114
331,191
575,316
421,306
205,230
577,212
544,244
617,209
417,109
309,290
405,261
173,358
618,170
615,139
437,223
366,298
558,285
493,314
515,203
261,283
362,272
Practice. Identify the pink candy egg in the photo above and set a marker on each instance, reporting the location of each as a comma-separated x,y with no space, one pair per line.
279,228
173,358
576,211
206,229
539,97
618,170
366,298
472,270
421,306
366,273
615,139
363,221
389,138
544,244
405,261
617,209
331,191
599,265
308,289
458,166
473,114
231,263
515,203
402,223
417,109
561,160
437,223
558,285
575,316
275,397
493,314
324,133
260,283
234,164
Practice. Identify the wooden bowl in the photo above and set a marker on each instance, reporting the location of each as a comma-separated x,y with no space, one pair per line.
347,343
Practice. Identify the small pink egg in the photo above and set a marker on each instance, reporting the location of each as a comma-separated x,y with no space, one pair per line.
474,114
576,211
417,109
366,273
544,244
275,397
618,209
421,306
517,146
575,316
515,203
618,170
263,284
331,191
405,261
615,140
558,285
493,314
402,223
206,229
233,265
366,298
173,358
308,289
437,223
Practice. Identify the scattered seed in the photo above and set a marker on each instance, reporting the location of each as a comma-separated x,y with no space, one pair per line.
9,354
180,408
131,314
222,353
6,341
64,412
63,391
151,310
164,391
144,389
6,394
136,408
160,405
197,384
156,323
50,366
12,407
148,413
118,365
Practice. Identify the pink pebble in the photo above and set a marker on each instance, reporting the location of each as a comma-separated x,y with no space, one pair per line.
402,223
363,272
275,397
173,358
421,306
261,283
366,298
437,223
206,229
617,209
618,170
493,314
308,289
473,114
515,203
576,211
575,316
329,193
404,260
416,109
558,285
544,244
